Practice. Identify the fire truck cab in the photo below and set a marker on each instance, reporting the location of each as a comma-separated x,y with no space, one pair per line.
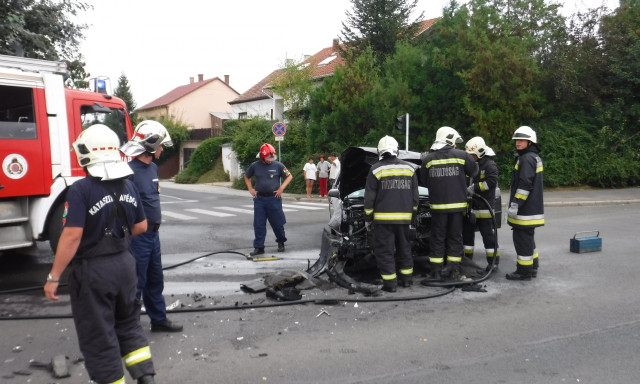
39,120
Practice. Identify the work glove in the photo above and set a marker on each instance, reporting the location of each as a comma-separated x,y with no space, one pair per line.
470,190
512,210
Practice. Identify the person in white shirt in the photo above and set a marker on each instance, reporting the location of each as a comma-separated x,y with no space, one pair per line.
310,171
335,168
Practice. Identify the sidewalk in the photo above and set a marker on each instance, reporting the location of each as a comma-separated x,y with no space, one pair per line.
553,197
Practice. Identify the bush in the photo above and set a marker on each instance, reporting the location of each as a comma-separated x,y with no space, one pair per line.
202,160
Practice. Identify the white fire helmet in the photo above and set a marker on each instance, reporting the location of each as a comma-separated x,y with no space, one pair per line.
525,133
387,145
448,136
477,146
97,149
148,136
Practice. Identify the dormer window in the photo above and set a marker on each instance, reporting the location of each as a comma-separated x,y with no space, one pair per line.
327,60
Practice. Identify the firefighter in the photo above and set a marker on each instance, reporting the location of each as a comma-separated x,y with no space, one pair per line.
102,280
445,170
526,206
267,197
391,202
145,145
483,185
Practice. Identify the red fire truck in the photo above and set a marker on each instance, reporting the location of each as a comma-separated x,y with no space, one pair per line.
39,120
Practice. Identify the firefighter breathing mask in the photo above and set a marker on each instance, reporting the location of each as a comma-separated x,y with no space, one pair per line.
387,145
148,136
97,150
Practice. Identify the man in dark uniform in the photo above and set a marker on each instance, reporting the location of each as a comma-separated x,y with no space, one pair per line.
445,170
526,206
390,202
267,202
102,281
483,185
146,144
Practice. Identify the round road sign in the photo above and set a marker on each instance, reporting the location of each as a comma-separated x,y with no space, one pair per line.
279,129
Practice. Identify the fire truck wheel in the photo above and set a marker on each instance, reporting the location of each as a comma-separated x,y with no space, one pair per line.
55,226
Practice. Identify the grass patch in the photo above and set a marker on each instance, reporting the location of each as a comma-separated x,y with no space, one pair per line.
215,174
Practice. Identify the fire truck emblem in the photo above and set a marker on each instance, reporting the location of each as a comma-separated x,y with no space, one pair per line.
14,166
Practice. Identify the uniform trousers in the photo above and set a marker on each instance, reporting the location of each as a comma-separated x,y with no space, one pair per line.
392,243
268,208
446,238
106,314
146,250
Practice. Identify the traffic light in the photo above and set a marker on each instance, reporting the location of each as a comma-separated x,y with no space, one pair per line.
401,123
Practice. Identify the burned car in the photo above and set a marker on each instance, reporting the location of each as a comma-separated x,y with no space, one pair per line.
346,249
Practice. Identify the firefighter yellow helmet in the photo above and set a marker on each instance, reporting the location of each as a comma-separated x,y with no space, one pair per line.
525,133
148,136
387,145
448,135
97,149
476,146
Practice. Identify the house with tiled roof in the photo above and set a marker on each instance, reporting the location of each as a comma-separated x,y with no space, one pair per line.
202,105
260,101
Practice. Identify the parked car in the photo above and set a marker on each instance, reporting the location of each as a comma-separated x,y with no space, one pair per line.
346,243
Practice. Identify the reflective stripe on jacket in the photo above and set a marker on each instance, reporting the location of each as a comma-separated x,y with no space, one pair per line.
445,173
526,189
391,191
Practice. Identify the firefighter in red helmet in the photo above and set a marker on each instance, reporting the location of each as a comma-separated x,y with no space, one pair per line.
271,179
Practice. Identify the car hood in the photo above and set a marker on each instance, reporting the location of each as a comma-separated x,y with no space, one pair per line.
355,163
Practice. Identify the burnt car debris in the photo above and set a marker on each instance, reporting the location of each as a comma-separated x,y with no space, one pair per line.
346,247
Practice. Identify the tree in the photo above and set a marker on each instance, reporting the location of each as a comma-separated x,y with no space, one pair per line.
78,77
41,29
379,24
124,92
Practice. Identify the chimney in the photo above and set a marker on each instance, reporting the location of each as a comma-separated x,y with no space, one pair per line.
226,79
191,80
336,44
200,77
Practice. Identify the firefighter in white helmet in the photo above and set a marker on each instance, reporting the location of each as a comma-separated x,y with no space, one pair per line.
391,203
147,144
444,171
484,185
102,212
526,205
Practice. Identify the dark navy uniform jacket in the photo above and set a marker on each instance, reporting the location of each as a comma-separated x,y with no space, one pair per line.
445,172
89,203
391,191
149,192
526,189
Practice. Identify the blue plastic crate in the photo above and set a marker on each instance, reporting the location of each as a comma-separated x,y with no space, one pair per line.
584,244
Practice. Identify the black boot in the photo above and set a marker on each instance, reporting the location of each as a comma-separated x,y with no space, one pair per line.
406,280
257,251
146,379
518,276
390,285
281,247
534,273
434,277
166,326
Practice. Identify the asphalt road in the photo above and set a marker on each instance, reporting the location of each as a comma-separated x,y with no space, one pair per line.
579,321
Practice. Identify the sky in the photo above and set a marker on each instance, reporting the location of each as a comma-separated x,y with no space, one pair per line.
160,44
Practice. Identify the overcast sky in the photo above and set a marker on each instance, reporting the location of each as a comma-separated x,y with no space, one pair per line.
159,44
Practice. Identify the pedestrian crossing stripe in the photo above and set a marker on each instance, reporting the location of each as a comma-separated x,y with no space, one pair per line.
178,216
234,209
283,209
302,207
320,205
210,213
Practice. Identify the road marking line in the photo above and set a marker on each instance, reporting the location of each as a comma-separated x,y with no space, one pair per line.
283,209
179,202
233,209
323,205
177,215
210,213
302,207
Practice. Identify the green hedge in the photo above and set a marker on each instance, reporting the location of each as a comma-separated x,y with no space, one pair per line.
202,160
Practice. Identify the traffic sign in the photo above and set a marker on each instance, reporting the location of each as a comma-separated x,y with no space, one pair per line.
279,138
279,129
